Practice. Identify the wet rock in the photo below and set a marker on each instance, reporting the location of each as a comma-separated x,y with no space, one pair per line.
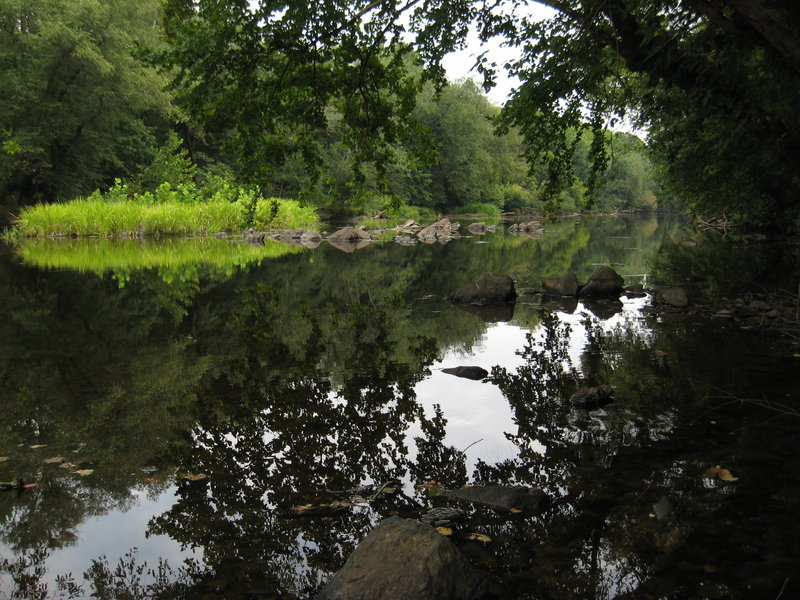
441,231
442,515
405,560
475,373
529,500
490,289
349,234
560,285
477,228
604,282
635,291
593,397
490,313
674,296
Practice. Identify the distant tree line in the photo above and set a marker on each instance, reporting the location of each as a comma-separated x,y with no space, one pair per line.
84,104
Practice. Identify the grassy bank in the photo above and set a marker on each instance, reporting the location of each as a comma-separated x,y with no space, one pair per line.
168,212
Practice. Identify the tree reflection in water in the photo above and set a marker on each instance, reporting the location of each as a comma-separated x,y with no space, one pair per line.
288,386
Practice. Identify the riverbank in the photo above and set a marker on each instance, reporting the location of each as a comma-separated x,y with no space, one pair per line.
99,216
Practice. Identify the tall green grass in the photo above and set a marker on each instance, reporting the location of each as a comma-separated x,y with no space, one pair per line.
96,216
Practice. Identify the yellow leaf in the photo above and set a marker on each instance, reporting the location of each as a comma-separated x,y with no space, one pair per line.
67,465
515,510
35,446
444,530
84,472
194,477
3,458
718,472
55,459
479,537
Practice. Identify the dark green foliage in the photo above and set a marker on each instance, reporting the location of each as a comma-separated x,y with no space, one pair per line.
77,108
716,83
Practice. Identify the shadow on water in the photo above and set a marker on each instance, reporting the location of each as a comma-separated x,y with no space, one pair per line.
272,413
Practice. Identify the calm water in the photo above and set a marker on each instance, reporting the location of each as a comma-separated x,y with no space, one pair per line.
177,416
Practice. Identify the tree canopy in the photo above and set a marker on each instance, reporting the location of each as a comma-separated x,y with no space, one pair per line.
715,82
77,107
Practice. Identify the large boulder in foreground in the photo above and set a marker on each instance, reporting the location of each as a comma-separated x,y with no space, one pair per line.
490,289
560,285
604,282
405,560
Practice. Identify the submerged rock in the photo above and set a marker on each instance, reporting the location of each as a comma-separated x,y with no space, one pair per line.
405,560
478,228
475,373
490,289
526,499
442,515
593,397
674,296
604,282
560,285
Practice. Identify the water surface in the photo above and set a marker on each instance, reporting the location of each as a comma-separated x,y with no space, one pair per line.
190,409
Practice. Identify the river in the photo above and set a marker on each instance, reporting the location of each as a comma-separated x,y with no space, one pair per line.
208,419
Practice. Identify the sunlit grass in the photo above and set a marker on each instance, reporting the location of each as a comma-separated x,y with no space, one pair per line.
171,256
96,217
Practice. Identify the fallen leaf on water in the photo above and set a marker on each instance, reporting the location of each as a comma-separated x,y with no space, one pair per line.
720,473
55,459
29,485
479,537
67,465
299,510
192,476
662,353
360,500
709,568
80,445
3,458
35,446
444,530
84,472
515,510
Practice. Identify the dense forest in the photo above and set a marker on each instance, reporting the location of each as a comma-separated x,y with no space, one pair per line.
85,103
345,107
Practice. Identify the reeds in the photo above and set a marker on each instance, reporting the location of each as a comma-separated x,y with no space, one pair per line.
95,216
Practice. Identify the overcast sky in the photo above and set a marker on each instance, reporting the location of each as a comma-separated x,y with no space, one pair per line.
459,64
